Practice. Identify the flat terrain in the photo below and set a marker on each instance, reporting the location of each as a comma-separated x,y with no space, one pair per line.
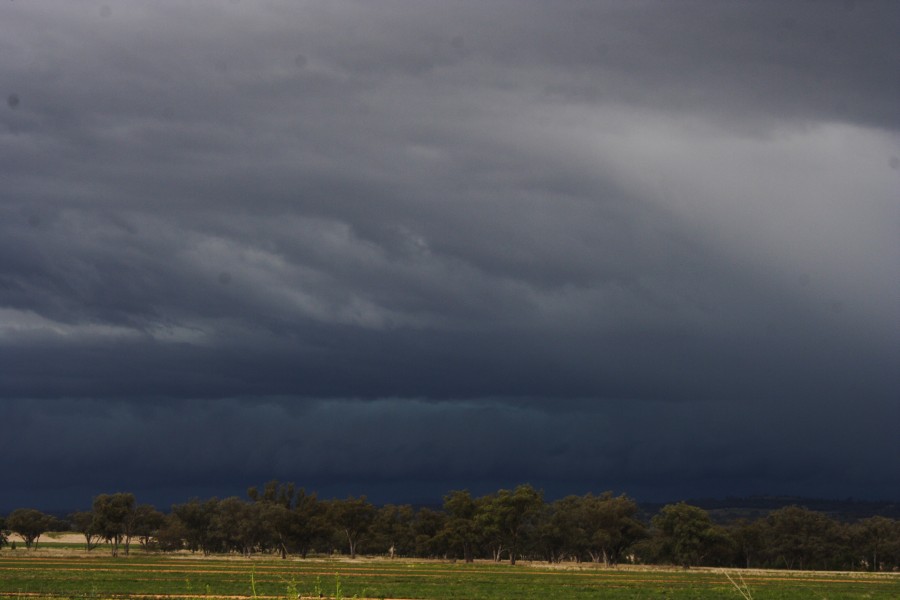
65,573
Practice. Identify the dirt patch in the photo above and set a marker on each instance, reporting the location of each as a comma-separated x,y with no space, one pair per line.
54,537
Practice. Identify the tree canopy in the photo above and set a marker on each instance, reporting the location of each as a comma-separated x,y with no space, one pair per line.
29,524
516,524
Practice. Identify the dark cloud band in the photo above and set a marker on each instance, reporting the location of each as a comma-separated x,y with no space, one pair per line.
633,235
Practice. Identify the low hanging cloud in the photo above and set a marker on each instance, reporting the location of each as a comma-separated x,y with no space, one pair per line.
549,216
414,450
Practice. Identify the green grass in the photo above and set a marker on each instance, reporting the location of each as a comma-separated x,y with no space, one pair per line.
74,576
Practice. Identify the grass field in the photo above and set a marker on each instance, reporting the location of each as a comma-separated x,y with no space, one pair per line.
60,573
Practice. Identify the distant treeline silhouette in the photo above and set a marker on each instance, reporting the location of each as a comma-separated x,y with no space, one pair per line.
511,525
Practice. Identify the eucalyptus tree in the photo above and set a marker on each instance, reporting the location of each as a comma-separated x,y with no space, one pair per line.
172,534
392,530
83,523
274,504
353,517
878,540
687,534
560,534
799,538
114,519
750,541
237,526
460,532
274,492
146,523
426,527
309,523
192,521
29,524
511,517
610,526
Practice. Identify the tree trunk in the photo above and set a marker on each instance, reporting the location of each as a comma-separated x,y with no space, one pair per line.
352,545
91,541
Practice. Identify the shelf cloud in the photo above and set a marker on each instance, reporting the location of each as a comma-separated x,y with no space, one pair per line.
394,248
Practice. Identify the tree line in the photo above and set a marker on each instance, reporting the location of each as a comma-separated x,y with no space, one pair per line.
510,525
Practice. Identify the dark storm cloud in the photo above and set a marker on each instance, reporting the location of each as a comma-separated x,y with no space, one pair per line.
412,450
524,210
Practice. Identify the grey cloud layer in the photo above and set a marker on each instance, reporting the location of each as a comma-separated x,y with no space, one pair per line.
452,201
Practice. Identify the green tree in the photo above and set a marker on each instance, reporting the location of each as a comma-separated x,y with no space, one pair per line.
172,533
275,502
193,522
274,492
29,524
4,533
426,526
687,534
878,539
511,517
236,526
83,523
353,517
146,523
487,524
114,519
798,538
610,525
309,523
460,533
392,530
559,533
750,541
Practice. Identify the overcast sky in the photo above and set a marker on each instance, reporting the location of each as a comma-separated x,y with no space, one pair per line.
399,248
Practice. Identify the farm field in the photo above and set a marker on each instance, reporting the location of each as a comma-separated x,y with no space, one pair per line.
59,573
